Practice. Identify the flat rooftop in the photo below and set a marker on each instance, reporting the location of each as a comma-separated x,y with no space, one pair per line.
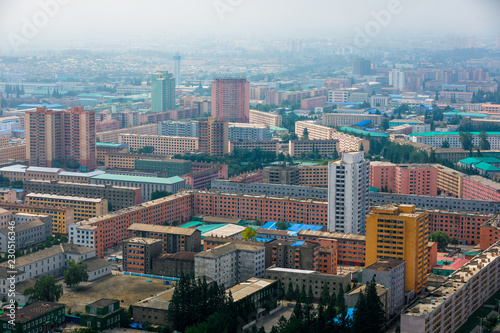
385,264
249,287
140,179
62,197
33,311
162,229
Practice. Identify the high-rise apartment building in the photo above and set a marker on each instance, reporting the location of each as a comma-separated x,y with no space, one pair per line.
177,59
213,136
231,99
162,91
400,232
348,187
56,138
361,66
397,79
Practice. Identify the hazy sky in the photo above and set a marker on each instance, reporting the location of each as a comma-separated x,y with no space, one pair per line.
166,20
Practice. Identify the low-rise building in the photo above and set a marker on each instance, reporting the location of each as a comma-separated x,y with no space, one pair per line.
138,254
103,148
292,254
308,279
174,239
24,235
118,196
174,264
37,317
391,274
102,315
169,167
84,208
230,263
8,195
281,174
326,148
148,185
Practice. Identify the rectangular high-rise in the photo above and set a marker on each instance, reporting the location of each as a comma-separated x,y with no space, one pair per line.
162,91
397,79
348,187
361,66
57,138
231,99
400,232
213,136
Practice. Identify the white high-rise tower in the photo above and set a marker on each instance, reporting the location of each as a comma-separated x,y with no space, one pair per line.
348,187
397,79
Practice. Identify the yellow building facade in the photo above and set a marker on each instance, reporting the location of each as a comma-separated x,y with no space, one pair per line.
400,232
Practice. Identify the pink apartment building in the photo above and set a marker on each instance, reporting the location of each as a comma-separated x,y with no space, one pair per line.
480,188
418,179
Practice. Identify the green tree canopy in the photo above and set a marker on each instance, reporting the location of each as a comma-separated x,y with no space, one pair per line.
441,239
75,273
45,289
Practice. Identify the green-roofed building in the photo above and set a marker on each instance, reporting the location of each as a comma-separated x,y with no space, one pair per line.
466,114
487,166
363,132
148,185
171,167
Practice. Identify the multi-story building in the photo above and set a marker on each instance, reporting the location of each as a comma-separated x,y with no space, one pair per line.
265,118
266,145
163,145
281,174
128,160
309,279
148,185
187,128
338,96
419,179
138,254
162,91
292,254
13,152
107,125
313,102
37,317
231,99
400,232
361,66
436,139
391,274
246,131
174,239
449,306
313,175
326,148
114,136
255,176
24,235
480,188
349,143
104,148
348,186
273,97
346,119
201,179
8,195
449,181
5,217
380,100
314,131
397,79
213,137
61,137
170,167
350,248
174,264
462,225
102,315
62,217
230,263
83,208
118,197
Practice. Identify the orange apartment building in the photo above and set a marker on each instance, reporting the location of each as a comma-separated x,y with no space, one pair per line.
14,152
314,175
489,233
449,181
163,145
350,248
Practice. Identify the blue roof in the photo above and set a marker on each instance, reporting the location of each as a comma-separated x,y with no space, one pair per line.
294,227
298,243
363,123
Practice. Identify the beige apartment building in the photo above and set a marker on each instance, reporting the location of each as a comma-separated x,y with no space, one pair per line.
114,135
265,118
163,145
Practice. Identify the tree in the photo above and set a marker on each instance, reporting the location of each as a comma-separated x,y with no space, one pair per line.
146,150
348,288
159,194
342,307
385,124
360,312
375,316
441,238
484,144
310,296
282,225
305,134
303,294
249,233
466,141
45,289
324,297
75,273
290,294
445,144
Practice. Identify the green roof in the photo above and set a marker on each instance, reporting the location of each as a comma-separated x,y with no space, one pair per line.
476,160
209,227
358,131
276,128
108,144
191,224
450,133
374,189
140,179
486,167
466,114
